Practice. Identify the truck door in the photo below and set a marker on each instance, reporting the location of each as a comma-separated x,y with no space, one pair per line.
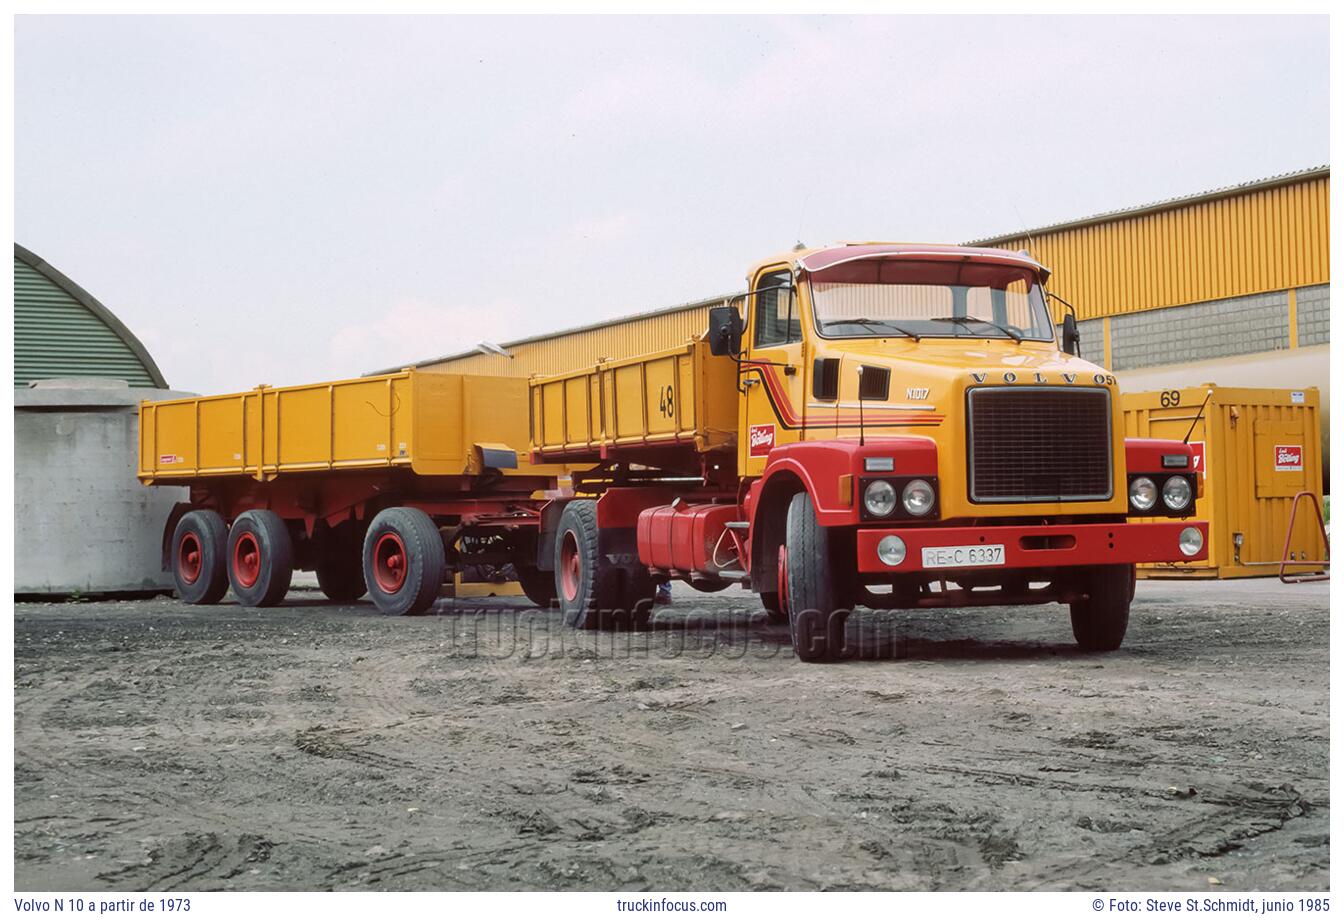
772,374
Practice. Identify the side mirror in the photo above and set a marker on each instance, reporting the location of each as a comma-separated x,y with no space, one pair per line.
1072,340
725,331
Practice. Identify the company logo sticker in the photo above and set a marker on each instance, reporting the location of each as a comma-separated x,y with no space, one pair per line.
165,459
1287,458
760,440
1197,464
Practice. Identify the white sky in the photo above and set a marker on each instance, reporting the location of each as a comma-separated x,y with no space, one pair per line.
285,199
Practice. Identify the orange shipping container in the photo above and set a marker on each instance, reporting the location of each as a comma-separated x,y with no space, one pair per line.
1255,449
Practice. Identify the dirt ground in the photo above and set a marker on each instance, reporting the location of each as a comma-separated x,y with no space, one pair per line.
159,746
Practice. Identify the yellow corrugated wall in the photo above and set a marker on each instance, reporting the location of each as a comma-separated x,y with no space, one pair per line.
1250,242
566,352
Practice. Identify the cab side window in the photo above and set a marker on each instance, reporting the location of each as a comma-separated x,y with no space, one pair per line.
777,320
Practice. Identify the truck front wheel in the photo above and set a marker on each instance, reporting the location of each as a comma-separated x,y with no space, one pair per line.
200,548
261,558
1099,623
816,616
404,561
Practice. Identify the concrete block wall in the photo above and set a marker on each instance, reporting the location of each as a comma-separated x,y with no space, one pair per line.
1313,315
82,521
1200,332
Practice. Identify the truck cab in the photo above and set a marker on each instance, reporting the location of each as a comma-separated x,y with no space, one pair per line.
915,403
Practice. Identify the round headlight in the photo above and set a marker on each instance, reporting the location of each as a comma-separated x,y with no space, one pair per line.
917,497
1143,493
1176,493
1191,541
891,550
879,498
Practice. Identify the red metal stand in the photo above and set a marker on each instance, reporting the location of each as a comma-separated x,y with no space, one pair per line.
1288,539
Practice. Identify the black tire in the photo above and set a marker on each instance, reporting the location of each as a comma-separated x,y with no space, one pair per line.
404,561
539,586
261,558
339,562
1099,623
590,586
816,616
199,554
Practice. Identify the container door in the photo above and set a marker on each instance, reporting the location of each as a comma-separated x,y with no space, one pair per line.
772,374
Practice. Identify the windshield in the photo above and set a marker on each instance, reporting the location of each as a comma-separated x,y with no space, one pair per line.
886,297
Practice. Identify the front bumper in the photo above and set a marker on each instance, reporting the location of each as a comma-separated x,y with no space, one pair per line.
1039,546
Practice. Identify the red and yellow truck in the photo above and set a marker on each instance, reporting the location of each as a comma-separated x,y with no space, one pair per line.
887,425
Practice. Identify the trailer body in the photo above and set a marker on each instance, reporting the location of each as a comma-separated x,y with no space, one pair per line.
318,463
431,424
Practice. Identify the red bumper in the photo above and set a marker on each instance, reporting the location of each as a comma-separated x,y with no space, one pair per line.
1041,546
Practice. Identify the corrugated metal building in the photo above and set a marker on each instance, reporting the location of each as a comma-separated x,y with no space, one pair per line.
1233,271
61,331
1236,271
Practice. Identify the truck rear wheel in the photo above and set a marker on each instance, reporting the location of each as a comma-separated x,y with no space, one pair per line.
339,563
200,548
404,561
816,617
261,558
1099,623
589,585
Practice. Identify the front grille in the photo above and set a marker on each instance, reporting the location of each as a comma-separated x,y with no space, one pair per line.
1039,444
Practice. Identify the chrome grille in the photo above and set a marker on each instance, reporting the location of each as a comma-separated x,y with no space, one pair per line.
1039,444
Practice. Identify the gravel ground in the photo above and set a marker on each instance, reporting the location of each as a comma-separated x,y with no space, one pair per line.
165,747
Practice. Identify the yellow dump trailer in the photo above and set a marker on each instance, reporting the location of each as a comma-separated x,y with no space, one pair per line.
432,424
680,396
1254,449
401,487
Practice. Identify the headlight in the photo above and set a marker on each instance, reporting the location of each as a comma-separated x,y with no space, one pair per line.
879,498
1191,541
891,550
1143,493
1176,493
917,497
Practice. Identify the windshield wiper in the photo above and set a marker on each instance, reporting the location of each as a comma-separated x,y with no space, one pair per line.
965,320
871,324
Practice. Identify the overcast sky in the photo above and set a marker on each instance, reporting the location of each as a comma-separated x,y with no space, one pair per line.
285,199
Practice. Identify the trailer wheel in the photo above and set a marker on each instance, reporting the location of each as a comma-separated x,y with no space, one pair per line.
589,585
340,563
404,561
539,586
261,558
200,547
816,618
1099,623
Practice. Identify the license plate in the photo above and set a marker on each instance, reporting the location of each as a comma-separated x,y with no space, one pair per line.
963,557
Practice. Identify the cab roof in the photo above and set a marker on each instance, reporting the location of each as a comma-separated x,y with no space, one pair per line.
818,258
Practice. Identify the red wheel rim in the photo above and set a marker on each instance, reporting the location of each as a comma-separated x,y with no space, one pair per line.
783,571
389,563
246,559
189,558
571,566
